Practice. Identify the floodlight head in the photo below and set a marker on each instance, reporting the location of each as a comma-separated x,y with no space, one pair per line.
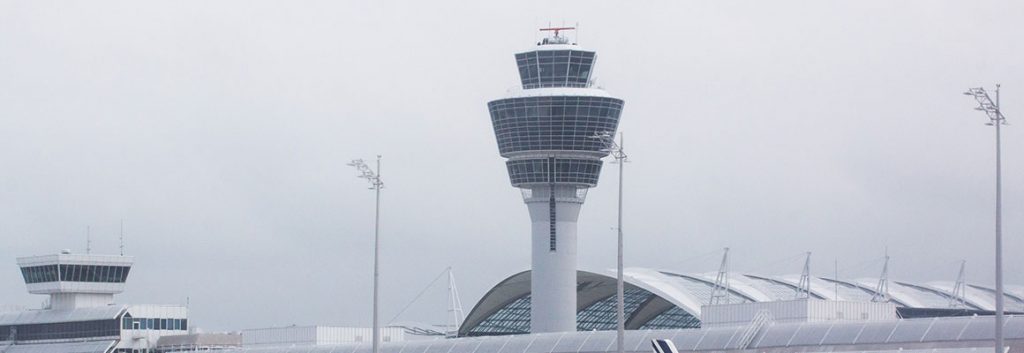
968,93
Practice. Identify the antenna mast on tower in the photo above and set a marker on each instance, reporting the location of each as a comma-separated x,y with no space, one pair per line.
122,237
88,239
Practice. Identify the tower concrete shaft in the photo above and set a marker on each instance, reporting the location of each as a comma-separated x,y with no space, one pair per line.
553,216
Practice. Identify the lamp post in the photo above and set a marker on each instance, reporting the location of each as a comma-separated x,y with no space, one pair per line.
620,157
996,119
375,184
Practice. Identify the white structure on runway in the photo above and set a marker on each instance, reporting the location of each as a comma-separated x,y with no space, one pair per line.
546,130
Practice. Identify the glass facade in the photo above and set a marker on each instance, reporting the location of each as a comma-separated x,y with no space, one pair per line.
138,323
75,273
557,123
555,68
40,274
554,170
513,318
60,330
87,329
602,314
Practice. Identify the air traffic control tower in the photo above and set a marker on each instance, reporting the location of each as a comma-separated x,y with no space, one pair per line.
546,131
76,281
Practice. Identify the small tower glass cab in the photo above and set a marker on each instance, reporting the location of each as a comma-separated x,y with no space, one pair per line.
555,62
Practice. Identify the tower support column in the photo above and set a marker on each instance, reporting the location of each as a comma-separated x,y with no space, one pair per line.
553,237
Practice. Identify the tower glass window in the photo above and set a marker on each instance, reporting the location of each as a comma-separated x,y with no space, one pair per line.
565,123
555,68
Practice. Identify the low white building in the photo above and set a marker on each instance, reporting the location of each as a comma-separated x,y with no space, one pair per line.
793,311
316,335
195,342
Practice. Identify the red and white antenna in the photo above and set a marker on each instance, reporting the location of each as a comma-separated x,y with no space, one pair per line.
557,29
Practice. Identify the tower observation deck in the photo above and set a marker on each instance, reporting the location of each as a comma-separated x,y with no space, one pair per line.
545,131
76,280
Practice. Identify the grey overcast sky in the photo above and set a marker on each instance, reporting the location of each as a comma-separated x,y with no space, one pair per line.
219,132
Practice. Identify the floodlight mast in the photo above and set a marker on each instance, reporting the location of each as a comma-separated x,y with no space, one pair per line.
996,118
608,139
375,184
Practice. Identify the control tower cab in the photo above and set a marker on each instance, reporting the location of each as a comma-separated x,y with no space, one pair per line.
76,280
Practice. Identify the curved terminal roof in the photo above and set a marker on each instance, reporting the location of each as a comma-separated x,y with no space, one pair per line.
658,299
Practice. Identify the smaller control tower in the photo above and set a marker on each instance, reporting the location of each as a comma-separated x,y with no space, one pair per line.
76,280
81,315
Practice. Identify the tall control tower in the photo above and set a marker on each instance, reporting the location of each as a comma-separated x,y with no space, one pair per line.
546,132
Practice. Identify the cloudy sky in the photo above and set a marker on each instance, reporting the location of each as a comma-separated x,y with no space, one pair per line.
219,132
